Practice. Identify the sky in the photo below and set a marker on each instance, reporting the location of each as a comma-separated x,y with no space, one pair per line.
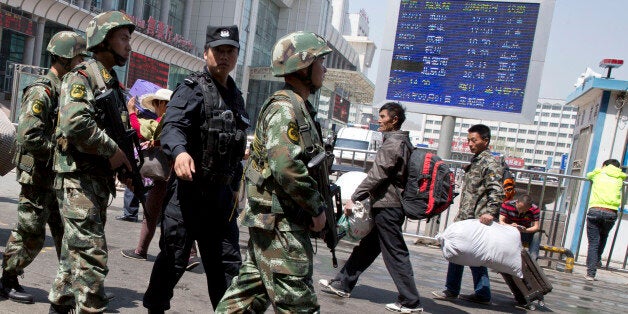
583,32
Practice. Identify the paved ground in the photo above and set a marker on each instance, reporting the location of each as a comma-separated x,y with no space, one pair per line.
128,279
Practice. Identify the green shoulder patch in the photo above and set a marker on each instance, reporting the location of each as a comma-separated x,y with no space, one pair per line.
77,91
37,107
293,132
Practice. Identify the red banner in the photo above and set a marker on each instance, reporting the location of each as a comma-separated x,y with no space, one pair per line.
514,162
147,68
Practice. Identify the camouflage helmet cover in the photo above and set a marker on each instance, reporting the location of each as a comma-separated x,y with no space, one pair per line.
297,51
103,23
67,45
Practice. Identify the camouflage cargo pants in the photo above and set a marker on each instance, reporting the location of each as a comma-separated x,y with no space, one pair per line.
36,206
83,266
278,270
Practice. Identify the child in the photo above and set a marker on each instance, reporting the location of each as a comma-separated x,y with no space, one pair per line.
524,215
605,199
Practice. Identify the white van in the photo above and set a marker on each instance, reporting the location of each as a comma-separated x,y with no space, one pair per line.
350,139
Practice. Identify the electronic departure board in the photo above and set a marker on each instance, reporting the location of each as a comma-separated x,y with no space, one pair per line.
147,68
457,55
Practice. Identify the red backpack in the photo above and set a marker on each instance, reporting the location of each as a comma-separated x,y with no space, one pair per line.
430,187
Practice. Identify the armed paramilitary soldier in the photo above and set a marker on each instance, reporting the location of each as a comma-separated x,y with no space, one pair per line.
204,132
85,161
284,202
38,201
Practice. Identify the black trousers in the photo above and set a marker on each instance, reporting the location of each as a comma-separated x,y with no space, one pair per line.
386,238
195,212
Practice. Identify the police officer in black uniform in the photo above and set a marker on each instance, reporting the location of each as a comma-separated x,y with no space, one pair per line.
204,134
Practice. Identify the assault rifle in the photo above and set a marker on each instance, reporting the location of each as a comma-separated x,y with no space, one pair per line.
318,168
127,141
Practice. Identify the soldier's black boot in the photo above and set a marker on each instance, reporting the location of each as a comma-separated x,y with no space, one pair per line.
10,288
60,309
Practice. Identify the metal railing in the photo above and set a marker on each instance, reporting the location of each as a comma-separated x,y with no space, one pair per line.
556,194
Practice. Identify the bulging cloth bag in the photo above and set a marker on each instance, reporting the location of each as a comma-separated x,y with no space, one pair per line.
357,225
472,243
156,165
8,145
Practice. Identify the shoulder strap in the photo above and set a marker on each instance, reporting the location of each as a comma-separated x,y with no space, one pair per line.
304,127
92,67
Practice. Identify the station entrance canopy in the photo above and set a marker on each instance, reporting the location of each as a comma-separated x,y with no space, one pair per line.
359,88
63,13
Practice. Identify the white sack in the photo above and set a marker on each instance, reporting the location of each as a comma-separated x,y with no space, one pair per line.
472,243
348,182
7,144
357,225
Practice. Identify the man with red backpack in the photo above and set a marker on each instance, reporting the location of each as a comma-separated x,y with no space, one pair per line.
383,184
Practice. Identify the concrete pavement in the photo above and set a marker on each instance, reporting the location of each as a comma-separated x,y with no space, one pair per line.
128,279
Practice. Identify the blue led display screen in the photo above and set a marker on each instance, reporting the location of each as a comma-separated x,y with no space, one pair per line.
467,54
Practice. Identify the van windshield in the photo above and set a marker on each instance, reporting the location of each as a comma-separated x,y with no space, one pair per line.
354,144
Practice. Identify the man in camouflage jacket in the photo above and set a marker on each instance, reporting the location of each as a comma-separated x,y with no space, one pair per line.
481,198
85,162
283,202
38,201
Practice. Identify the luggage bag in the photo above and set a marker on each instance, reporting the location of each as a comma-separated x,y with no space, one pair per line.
532,287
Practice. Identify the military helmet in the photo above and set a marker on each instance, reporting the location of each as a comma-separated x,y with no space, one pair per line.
103,23
297,51
67,44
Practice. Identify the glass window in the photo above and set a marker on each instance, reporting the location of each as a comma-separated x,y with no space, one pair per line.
542,133
152,8
555,115
543,123
541,142
265,33
533,132
553,134
553,124
529,151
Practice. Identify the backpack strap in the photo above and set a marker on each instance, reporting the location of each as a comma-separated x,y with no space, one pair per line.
425,172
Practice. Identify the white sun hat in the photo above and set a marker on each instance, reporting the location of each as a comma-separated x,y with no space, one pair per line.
161,94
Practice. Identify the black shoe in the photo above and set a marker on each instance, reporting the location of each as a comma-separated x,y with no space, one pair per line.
127,218
10,288
60,309
192,263
132,255
474,298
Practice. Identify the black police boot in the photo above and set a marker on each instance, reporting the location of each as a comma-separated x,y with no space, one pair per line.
10,288
60,309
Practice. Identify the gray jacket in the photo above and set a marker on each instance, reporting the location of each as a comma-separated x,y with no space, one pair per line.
387,178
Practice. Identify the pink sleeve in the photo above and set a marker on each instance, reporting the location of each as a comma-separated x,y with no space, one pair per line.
135,124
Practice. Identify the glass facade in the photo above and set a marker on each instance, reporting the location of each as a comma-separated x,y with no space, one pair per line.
265,34
175,16
176,76
244,34
258,92
11,51
265,38
152,8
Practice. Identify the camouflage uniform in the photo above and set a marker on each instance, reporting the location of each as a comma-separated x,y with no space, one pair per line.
84,181
279,264
37,201
482,191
